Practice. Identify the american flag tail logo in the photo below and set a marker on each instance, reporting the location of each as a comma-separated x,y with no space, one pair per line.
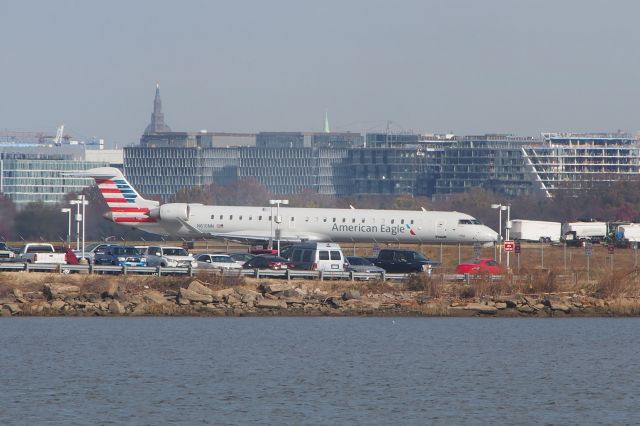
126,206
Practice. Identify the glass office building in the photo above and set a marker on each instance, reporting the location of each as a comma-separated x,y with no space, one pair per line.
30,177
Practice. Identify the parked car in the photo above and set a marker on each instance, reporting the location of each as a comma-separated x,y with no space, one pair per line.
40,253
480,266
217,261
120,256
169,257
241,258
91,250
262,250
317,257
6,253
404,261
360,264
268,261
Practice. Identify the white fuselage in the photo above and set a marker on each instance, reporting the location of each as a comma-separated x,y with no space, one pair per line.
243,223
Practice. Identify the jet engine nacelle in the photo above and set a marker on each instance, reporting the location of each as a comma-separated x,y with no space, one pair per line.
172,211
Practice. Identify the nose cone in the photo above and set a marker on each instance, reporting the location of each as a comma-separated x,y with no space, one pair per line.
488,235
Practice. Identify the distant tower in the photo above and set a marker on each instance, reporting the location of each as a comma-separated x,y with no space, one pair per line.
326,122
157,117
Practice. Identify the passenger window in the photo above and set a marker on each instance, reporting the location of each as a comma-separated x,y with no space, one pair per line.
411,221
324,219
213,216
362,220
293,219
239,217
386,255
297,255
335,255
220,217
306,256
353,220
392,221
344,220
323,255
230,217
259,217
249,217
402,221
306,219
334,220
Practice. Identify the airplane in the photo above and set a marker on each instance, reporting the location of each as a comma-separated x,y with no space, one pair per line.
259,225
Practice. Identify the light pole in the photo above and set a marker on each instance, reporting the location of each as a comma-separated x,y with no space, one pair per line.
278,219
500,208
68,211
78,218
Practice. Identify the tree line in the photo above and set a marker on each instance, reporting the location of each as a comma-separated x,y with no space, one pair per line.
616,201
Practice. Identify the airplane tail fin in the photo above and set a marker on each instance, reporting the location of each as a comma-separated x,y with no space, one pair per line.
125,204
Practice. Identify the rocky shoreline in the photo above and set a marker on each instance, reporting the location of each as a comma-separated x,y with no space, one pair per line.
273,298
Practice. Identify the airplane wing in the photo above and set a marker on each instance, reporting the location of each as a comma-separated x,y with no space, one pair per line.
242,237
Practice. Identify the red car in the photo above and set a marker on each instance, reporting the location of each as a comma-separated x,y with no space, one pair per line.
482,266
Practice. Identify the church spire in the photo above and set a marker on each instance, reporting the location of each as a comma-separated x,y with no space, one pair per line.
326,122
157,117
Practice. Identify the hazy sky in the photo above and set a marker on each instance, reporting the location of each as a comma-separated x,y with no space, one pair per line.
467,67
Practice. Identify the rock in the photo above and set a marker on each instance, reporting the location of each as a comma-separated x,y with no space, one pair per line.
526,309
232,299
421,300
13,308
511,301
271,304
538,306
334,302
192,296
558,305
154,297
116,308
274,287
17,293
54,291
218,296
501,305
351,295
248,296
56,305
482,309
197,286
140,309
111,290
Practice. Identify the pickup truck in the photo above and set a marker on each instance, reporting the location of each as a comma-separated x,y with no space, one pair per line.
6,254
91,250
40,253
169,257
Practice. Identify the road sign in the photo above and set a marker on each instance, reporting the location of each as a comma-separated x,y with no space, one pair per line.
516,247
611,248
588,249
476,249
509,246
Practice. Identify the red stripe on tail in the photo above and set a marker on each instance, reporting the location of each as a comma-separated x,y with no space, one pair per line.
133,219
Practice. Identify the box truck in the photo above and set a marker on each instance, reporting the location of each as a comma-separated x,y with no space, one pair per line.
535,230
577,233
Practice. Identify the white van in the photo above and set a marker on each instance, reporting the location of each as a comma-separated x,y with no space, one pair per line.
317,257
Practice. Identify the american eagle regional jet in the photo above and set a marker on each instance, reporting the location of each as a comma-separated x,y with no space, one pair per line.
258,225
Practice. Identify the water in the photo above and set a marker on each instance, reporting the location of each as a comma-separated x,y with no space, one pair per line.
319,371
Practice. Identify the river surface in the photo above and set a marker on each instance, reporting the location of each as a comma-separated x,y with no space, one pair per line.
319,371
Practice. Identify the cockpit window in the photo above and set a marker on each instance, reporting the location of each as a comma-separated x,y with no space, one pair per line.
469,222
